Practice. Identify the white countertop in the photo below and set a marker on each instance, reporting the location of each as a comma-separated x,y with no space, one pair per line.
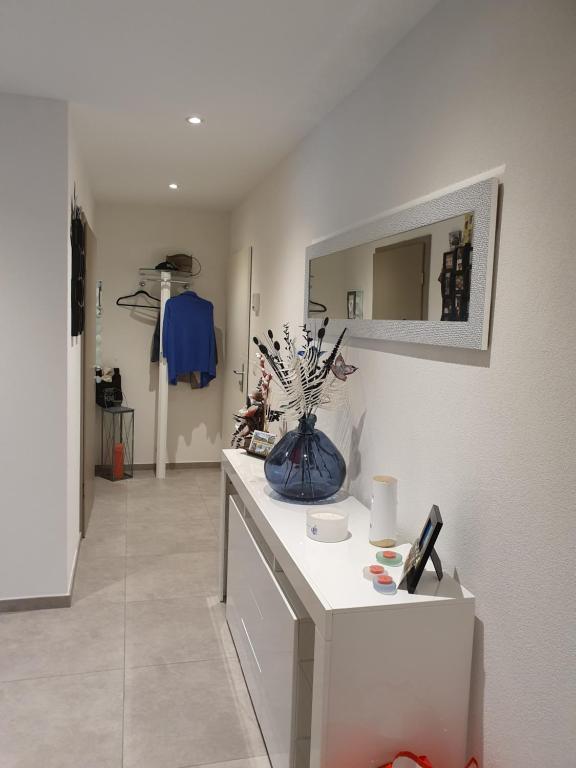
329,574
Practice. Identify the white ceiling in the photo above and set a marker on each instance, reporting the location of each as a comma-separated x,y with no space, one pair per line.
262,73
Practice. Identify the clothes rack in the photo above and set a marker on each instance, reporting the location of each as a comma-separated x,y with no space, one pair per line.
166,280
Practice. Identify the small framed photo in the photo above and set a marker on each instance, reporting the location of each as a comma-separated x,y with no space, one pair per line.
421,551
448,263
458,306
462,258
455,237
261,443
355,305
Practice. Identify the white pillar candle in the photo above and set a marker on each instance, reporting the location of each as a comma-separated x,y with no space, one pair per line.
383,517
327,526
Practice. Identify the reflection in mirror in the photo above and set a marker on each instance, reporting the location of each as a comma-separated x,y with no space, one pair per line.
422,274
98,340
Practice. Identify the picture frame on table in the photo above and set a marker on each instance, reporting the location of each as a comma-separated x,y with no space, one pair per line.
421,551
261,443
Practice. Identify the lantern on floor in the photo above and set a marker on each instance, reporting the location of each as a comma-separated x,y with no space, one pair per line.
117,443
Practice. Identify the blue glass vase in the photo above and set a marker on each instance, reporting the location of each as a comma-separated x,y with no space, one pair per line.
305,465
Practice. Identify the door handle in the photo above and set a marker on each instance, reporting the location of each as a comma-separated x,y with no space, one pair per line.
241,374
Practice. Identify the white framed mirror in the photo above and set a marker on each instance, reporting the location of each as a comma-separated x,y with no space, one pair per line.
421,273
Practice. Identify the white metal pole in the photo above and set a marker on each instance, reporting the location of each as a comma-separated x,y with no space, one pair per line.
162,396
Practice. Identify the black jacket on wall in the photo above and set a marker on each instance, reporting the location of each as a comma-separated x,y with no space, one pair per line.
78,242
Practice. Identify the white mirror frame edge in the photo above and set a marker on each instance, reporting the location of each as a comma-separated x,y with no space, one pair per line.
481,198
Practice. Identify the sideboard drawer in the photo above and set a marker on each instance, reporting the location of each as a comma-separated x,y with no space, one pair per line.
265,631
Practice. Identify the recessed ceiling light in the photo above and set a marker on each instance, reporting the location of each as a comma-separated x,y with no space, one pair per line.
194,120
173,186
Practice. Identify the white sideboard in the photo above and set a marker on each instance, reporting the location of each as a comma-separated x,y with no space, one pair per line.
340,675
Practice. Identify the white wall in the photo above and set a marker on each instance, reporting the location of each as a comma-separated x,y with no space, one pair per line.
33,318
76,179
489,436
133,236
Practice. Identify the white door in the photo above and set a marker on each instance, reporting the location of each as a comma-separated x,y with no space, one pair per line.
237,342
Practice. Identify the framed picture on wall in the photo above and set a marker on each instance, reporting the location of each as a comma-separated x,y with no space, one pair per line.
448,262
355,304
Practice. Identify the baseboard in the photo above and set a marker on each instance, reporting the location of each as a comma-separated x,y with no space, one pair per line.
43,602
182,465
35,603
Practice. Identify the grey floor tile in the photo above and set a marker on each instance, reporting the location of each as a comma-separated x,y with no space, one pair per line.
185,574
188,714
167,631
84,638
212,503
153,537
190,508
210,485
105,489
108,504
105,526
99,579
167,488
185,477
211,489
104,541
74,721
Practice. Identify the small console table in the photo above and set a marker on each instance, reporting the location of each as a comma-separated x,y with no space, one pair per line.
340,675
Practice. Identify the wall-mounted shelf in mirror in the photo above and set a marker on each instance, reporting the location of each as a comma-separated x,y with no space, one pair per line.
421,273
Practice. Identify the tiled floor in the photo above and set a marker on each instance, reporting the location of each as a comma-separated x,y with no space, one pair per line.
140,671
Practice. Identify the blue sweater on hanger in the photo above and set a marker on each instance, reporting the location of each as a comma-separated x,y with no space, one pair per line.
188,340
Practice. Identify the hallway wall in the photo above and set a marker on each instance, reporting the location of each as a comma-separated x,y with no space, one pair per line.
488,436
133,236
33,317
77,179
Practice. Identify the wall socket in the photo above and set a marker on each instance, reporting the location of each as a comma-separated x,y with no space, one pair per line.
256,303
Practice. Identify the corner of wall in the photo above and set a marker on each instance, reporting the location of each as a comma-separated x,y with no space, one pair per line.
78,182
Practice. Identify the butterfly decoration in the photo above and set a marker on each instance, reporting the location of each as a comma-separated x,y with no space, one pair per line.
341,370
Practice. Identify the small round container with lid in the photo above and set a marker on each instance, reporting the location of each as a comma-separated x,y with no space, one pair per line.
329,526
371,571
389,558
385,585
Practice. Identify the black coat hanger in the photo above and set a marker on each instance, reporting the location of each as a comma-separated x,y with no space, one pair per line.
120,303
321,307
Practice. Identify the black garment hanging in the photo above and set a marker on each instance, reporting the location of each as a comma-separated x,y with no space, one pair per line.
78,268
155,351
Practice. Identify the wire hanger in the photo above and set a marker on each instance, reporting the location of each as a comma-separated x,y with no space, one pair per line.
120,303
321,307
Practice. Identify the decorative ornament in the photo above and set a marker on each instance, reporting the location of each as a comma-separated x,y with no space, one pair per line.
257,414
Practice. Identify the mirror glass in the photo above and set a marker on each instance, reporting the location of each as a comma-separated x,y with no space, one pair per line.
421,274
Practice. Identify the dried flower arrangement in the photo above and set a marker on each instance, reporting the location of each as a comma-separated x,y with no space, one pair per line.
301,373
